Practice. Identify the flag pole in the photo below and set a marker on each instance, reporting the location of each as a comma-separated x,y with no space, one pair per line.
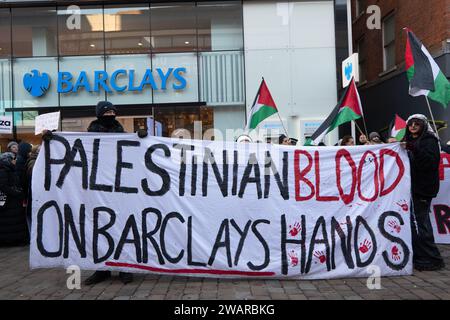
432,117
285,131
358,128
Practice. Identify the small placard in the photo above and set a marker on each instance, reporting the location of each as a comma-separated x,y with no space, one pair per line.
47,121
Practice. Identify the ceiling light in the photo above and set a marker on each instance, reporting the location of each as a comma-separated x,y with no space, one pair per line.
92,45
186,42
139,43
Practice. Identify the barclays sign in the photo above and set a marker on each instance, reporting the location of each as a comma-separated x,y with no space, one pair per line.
37,84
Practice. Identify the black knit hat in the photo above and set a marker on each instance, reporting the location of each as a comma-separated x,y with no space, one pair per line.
104,106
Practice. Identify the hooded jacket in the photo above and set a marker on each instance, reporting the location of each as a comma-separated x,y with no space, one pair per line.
424,155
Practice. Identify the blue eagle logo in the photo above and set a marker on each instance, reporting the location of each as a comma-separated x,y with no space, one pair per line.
36,84
348,70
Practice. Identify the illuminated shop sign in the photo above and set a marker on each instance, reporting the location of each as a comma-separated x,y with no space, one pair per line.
38,83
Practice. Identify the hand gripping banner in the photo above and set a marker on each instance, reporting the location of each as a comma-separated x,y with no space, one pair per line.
220,209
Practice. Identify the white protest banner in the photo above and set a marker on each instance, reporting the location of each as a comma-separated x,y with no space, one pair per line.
6,124
440,206
46,121
220,209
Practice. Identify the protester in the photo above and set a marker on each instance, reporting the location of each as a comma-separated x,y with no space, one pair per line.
28,172
284,140
106,122
13,147
363,140
423,150
244,139
347,141
13,227
375,138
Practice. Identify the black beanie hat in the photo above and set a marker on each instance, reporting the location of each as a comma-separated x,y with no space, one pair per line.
102,107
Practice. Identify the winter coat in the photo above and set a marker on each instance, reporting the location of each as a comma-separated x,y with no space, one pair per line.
99,126
13,225
424,157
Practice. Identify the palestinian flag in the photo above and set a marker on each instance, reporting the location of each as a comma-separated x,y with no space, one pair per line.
425,77
398,128
263,107
348,109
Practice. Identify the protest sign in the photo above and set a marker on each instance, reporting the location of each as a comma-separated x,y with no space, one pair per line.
47,121
6,124
220,209
440,206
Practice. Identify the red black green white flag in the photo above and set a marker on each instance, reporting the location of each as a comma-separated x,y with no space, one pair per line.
263,107
425,77
348,108
398,128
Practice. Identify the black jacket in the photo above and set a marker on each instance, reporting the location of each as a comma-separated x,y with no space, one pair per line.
424,157
13,225
99,126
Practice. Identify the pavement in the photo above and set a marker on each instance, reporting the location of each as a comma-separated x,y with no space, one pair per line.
17,281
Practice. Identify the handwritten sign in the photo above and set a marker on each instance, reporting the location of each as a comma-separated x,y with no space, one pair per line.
47,121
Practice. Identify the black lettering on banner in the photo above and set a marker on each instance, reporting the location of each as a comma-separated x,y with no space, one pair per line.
182,177
264,244
149,235
235,173
194,176
283,186
135,240
49,161
399,241
346,242
103,231
190,260
361,221
320,224
222,181
150,165
40,230
124,165
224,228
77,148
243,236
162,241
284,241
252,163
69,227
94,171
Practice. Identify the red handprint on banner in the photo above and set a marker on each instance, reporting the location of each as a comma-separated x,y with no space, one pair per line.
365,246
395,226
395,253
294,230
321,256
404,205
294,258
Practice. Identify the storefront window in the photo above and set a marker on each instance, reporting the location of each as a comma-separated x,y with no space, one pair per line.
5,33
127,29
219,26
34,32
80,31
5,84
173,27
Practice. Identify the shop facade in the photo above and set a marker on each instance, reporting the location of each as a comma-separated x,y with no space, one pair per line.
194,66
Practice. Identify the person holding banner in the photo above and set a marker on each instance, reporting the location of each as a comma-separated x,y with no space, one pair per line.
423,150
13,227
106,122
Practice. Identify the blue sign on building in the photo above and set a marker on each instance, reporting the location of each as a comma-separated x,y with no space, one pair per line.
37,84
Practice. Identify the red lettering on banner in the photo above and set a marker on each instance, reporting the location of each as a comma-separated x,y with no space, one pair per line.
443,166
300,175
401,171
346,198
317,172
375,176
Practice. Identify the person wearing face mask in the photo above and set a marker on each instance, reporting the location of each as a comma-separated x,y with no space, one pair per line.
422,144
106,122
106,119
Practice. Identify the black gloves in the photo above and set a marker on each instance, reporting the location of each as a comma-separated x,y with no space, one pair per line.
47,136
142,133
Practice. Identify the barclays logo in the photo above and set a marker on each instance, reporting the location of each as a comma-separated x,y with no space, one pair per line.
349,70
36,84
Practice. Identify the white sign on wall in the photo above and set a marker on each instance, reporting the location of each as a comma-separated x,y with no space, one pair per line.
350,69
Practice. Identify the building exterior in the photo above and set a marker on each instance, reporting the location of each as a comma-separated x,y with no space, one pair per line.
383,84
186,65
